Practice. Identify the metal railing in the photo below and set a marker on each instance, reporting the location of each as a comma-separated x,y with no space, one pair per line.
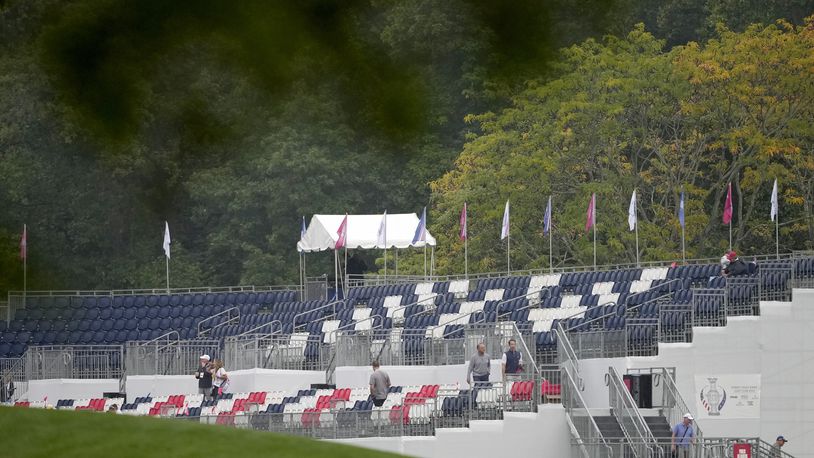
297,351
709,306
331,306
672,404
167,355
13,370
77,362
724,447
587,438
642,443
226,317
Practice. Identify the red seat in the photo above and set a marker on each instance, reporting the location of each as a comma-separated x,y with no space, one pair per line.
395,415
97,405
258,397
310,417
225,418
548,388
239,405
22,404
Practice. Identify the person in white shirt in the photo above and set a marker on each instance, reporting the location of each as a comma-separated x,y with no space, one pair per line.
220,379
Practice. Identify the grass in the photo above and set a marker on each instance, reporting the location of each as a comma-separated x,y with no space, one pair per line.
50,433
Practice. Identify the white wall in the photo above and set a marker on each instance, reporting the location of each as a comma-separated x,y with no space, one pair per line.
348,376
56,389
243,381
520,435
779,345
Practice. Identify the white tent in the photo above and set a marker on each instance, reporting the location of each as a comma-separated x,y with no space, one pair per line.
362,232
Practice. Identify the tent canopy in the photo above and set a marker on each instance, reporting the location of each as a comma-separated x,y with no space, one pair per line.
362,232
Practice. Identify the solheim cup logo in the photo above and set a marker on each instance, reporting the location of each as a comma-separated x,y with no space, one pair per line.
713,398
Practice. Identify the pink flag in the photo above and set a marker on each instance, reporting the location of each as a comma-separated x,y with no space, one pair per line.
591,220
342,232
24,243
728,205
463,234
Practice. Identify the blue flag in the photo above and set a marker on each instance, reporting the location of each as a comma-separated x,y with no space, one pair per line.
681,210
547,218
421,229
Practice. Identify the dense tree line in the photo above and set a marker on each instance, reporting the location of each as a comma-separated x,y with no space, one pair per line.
232,121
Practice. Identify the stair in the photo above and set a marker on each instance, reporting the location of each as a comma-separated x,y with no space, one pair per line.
610,428
660,428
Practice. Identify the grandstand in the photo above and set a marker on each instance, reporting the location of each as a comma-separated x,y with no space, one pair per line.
300,366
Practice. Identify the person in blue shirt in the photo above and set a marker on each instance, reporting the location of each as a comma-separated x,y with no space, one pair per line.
683,437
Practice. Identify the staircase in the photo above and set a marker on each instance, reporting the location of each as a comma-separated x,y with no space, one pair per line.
660,428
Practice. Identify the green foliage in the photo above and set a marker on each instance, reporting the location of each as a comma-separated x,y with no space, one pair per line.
232,121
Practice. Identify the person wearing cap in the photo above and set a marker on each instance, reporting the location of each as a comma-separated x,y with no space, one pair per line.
204,376
733,265
778,444
683,437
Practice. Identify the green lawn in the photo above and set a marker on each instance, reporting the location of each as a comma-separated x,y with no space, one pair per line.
52,433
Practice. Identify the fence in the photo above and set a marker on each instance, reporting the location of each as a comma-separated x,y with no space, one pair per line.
587,440
273,351
167,355
13,370
78,362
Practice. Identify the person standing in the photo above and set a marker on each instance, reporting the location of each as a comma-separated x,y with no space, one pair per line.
220,379
379,385
204,377
479,366
512,362
683,437
777,446
6,388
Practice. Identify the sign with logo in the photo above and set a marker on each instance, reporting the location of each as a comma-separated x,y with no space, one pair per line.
742,450
727,396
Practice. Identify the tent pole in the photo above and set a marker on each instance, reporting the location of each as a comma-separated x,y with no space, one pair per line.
432,261
396,256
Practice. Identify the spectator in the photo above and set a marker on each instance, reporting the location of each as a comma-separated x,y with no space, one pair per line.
512,362
6,388
204,377
114,408
778,444
732,265
479,366
220,379
683,437
379,385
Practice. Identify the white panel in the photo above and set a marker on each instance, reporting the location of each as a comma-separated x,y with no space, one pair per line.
459,286
494,295
602,287
607,298
424,288
639,286
361,314
392,301
570,301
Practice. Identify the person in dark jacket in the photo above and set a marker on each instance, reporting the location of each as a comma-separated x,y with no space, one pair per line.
733,266
204,376
512,362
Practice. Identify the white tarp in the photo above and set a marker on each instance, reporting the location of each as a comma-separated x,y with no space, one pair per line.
363,232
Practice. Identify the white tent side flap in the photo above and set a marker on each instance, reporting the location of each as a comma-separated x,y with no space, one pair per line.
362,232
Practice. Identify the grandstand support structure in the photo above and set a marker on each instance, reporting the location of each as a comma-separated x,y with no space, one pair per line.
74,362
586,435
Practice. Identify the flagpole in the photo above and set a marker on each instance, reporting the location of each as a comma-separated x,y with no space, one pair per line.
730,234
345,275
432,261
593,199
683,252
168,275
396,258
509,252
425,259
385,264
466,256
336,274
777,235
637,240
25,266
550,251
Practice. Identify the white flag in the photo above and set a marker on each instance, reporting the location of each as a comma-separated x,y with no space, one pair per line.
381,240
504,230
167,239
774,200
631,212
